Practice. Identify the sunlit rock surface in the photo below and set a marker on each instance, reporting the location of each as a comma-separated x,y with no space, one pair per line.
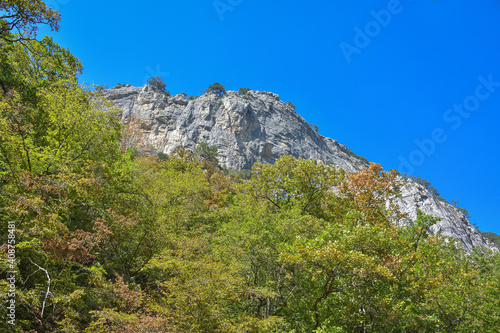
258,126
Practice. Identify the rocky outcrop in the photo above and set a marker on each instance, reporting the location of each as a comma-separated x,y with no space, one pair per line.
246,129
257,126
453,223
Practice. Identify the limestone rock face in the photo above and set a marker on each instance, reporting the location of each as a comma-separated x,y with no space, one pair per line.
255,127
453,223
245,129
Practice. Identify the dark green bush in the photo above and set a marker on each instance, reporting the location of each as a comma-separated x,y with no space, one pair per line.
208,153
492,237
162,156
217,88
157,84
244,91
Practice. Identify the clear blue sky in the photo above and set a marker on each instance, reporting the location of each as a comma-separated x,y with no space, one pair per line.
374,75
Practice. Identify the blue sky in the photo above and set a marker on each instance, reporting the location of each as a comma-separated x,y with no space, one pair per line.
413,85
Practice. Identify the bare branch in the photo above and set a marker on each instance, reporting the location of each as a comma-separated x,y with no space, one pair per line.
48,284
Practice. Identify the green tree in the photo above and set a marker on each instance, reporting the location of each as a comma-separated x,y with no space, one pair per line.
59,154
306,184
108,240
19,19
157,84
207,153
216,88
162,156
243,91
491,236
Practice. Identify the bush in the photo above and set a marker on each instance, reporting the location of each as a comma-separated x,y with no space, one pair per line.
244,91
464,211
492,237
427,184
208,153
162,156
217,88
156,83
290,104
245,174
352,154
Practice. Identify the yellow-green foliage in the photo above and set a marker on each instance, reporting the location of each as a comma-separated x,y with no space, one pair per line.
109,241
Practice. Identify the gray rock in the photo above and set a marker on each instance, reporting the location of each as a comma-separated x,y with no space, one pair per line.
453,223
259,127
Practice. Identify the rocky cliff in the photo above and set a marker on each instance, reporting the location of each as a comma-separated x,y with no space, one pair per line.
257,126
453,223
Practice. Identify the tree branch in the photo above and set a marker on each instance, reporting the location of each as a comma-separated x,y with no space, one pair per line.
48,284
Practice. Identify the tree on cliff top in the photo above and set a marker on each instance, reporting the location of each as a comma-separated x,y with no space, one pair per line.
217,88
157,84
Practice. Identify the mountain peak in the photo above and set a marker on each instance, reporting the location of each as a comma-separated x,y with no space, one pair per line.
246,128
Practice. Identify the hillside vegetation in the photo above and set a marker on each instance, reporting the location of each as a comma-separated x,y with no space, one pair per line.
492,237
100,238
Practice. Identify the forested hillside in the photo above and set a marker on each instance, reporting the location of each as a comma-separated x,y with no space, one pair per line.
249,126
98,237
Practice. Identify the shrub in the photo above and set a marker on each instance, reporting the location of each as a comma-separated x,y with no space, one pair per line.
156,83
244,91
464,211
217,88
245,174
208,153
352,154
291,105
162,156
427,184
492,237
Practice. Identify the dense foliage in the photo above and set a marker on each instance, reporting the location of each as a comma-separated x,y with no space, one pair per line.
492,237
108,238
207,153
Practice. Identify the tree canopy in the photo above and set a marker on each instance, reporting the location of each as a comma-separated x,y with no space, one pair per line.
103,236
157,84
216,88
19,19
